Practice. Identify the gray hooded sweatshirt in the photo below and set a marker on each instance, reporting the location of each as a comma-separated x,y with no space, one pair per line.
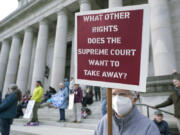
133,124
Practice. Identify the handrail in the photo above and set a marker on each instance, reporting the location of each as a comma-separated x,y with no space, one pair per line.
148,106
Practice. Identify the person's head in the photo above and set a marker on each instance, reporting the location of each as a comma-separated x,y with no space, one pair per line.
50,88
158,116
123,101
176,82
65,80
38,83
176,79
71,78
61,85
76,86
19,94
12,88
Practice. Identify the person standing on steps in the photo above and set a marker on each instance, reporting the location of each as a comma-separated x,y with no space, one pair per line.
37,97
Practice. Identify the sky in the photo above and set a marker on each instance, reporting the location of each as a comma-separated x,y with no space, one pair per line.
7,7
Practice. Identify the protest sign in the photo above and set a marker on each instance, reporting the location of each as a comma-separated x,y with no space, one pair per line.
71,101
112,47
29,109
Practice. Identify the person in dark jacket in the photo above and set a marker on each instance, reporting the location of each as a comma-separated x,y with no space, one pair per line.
77,103
161,124
88,99
174,99
8,109
51,91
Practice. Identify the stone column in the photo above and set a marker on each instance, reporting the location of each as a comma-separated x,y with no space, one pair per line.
115,3
25,61
40,54
13,63
85,5
4,55
59,58
162,40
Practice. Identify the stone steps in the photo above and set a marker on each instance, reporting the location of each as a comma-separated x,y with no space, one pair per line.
49,116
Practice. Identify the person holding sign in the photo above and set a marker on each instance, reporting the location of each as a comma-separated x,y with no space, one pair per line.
8,109
37,97
127,120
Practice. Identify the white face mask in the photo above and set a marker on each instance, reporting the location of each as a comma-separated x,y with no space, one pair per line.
121,105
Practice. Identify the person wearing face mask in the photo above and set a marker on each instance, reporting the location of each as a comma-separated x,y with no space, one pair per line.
127,120
174,99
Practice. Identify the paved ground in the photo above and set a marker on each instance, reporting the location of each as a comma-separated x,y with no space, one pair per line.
49,130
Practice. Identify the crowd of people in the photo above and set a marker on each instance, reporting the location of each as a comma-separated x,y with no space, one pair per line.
60,99
127,120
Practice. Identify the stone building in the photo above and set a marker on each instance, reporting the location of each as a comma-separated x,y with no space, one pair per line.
36,39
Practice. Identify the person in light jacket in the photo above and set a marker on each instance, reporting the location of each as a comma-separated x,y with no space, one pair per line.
63,93
37,97
127,120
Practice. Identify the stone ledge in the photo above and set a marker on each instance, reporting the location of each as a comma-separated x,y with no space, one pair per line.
160,84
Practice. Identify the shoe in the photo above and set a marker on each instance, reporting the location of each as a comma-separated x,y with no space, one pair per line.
58,121
78,122
35,124
74,121
32,124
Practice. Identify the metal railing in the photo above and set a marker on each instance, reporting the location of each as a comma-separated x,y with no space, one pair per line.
148,107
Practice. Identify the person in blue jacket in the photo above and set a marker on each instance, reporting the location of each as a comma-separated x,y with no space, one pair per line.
161,124
8,109
63,93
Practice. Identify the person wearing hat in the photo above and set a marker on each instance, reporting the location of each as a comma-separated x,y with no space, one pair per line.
174,99
161,124
8,109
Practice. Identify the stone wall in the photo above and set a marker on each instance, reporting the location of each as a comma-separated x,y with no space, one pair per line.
175,21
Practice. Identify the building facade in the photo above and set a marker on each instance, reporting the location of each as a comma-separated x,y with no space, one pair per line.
36,40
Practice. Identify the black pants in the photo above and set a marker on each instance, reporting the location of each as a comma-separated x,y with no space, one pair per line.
5,126
87,101
98,95
19,111
62,114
